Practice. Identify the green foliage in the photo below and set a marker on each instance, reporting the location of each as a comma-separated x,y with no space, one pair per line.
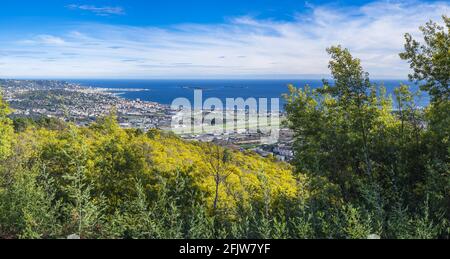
355,226
107,182
430,61
29,208
336,127
385,160
85,212
21,124
6,130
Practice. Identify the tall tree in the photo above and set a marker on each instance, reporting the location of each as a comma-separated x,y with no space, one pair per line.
351,89
218,159
430,60
335,125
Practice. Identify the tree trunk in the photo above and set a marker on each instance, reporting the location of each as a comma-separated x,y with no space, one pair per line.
216,198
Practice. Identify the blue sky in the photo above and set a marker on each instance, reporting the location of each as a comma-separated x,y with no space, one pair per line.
156,13
203,39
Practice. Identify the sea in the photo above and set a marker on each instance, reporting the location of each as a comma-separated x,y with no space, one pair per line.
166,91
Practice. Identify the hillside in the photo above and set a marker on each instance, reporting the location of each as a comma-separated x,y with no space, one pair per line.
101,170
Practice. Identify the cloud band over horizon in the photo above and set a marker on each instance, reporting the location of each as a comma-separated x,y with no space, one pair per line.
241,47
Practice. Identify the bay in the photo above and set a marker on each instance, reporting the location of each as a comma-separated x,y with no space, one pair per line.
165,91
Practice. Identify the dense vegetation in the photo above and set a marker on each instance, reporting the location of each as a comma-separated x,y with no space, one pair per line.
365,164
388,157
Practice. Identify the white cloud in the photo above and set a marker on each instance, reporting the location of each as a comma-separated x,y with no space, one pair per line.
102,11
50,40
242,47
44,39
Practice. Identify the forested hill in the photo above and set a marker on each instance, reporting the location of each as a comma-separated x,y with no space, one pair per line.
49,175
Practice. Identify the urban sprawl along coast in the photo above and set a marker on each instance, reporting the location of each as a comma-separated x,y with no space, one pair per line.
82,105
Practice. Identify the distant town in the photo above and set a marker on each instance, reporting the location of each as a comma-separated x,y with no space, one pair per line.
82,105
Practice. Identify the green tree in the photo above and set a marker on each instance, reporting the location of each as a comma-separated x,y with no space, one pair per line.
337,126
218,159
85,212
382,159
430,61
28,206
